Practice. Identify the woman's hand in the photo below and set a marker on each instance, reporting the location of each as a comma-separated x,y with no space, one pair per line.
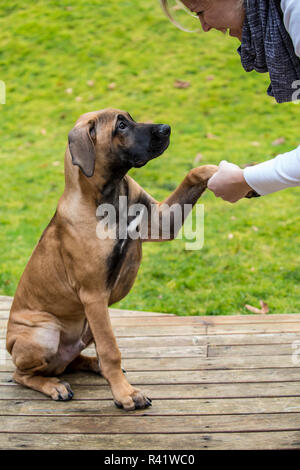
229,182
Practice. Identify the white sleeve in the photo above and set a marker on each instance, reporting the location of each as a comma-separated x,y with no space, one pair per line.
291,19
273,175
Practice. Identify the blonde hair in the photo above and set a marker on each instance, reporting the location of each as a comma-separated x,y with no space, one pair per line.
166,10
165,7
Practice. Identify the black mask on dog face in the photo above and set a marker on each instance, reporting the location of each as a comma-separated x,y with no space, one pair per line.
137,143
113,141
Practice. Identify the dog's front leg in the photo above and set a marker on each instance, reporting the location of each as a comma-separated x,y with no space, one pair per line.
125,396
193,185
168,216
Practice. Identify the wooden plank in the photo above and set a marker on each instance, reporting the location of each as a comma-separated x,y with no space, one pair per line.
4,309
153,353
116,312
264,321
5,302
199,406
184,377
207,376
133,423
232,319
156,330
182,441
199,320
147,322
143,342
202,339
255,338
163,352
251,350
228,390
172,321
220,319
4,313
192,362
199,330
250,328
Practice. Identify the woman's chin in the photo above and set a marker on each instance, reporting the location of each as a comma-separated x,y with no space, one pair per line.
235,34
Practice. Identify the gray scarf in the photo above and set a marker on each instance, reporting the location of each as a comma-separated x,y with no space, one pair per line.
267,47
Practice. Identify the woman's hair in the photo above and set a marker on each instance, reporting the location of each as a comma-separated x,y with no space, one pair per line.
166,9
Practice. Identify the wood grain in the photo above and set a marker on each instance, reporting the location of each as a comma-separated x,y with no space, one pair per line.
217,382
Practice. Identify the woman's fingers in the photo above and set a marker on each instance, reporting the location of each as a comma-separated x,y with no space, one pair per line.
229,182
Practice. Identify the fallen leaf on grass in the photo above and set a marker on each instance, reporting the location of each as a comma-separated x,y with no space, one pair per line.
262,311
181,84
209,135
278,141
198,158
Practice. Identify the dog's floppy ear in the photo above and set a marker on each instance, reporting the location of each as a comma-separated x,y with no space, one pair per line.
82,148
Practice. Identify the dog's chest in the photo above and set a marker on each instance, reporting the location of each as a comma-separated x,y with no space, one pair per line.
120,218
124,260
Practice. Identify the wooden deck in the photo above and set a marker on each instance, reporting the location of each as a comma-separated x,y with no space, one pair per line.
216,383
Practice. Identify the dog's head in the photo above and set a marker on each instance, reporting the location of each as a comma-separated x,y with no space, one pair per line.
112,138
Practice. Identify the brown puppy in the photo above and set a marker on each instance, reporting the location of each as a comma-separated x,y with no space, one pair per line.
61,303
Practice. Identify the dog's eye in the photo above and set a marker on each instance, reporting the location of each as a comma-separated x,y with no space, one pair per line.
92,130
122,125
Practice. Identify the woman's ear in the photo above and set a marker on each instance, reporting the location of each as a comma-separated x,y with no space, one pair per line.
82,148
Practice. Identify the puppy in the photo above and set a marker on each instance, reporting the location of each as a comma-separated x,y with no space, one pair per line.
75,273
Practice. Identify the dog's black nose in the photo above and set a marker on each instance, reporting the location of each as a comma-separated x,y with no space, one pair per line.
161,130
164,129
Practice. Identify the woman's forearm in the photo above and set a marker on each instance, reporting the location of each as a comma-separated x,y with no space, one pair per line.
274,175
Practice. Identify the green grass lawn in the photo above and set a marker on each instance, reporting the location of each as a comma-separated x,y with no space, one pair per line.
62,58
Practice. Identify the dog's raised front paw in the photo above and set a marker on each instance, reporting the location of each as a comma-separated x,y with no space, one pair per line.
202,174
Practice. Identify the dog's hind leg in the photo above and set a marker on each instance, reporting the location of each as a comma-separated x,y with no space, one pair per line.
84,363
51,386
36,359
